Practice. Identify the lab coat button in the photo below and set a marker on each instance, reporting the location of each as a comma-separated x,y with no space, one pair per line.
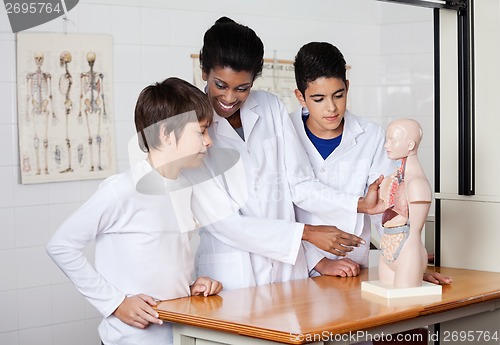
322,170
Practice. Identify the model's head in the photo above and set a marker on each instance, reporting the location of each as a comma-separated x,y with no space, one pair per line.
403,137
318,60
166,108
322,88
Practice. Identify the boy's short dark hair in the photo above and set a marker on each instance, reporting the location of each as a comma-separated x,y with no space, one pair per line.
161,101
230,44
316,60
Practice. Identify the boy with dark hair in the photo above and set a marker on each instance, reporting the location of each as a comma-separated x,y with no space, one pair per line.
346,151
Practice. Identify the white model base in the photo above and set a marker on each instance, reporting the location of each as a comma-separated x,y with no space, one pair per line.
377,288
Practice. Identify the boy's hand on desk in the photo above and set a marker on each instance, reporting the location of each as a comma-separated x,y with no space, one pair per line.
341,267
331,239
136,311
205,286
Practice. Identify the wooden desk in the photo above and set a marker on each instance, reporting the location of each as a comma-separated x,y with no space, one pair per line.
319,310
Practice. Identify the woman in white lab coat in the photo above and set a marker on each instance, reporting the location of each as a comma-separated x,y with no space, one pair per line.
278,175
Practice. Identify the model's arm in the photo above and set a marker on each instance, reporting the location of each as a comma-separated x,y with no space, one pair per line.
418,193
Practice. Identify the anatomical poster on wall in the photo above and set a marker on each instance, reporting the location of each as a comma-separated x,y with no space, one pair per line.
278,77
65,107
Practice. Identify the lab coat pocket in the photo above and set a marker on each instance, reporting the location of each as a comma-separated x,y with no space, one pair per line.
233,270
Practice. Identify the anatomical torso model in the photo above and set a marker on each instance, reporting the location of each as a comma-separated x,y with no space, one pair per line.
407,197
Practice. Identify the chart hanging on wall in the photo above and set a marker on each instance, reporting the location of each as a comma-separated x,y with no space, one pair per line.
65,107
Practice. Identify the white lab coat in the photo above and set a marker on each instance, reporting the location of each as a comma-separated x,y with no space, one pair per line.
276,177
358,161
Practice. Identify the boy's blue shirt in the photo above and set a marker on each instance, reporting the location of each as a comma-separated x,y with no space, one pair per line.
324,146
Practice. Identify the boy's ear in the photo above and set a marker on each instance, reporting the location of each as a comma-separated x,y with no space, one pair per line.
300,98
165,137
347,85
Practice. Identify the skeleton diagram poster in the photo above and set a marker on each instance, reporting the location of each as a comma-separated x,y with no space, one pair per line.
65,107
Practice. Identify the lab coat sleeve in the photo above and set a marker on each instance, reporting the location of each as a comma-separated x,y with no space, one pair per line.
67,244
307,191
313,256
219,214
275,239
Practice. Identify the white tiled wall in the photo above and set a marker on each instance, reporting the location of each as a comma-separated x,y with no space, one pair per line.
391,76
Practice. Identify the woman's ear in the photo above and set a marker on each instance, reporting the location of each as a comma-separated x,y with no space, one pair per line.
204,75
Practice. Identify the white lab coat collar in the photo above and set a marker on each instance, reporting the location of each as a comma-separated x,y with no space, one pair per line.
352,129
249,115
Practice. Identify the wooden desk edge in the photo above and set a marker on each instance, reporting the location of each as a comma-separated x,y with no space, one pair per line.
292,338
230,327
